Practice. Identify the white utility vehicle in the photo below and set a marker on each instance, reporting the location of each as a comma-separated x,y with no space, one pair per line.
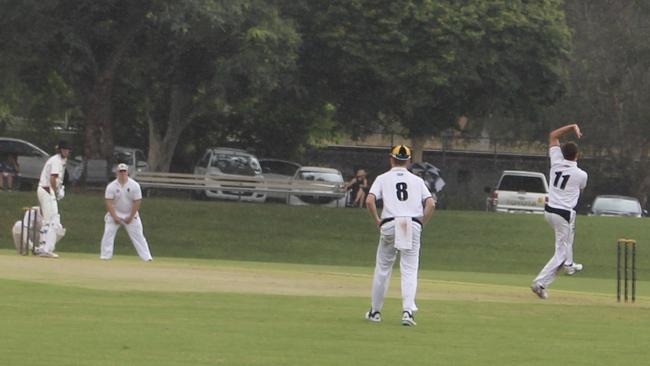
519,191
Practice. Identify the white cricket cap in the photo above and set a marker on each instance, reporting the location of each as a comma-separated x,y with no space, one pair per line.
122,166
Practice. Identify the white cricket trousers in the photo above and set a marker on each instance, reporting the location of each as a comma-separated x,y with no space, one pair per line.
51,219
135,231
564,237
408,265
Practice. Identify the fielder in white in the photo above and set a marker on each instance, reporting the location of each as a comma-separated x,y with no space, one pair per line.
50,190
566,183
408,205
123,198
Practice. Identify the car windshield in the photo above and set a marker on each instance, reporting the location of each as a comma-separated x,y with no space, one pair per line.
278,167
320,177
521,183
125,157
236,164
139,156
19,148
616,205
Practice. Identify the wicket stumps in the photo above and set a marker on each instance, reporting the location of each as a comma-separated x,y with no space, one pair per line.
625,244
28,230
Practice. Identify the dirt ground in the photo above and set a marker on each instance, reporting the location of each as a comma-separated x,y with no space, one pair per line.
191,275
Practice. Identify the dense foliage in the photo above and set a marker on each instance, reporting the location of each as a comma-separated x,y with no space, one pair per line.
255,72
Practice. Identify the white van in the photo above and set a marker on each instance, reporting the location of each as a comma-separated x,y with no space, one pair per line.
519,191
232,163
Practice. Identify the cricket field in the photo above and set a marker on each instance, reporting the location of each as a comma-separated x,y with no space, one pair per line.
269,284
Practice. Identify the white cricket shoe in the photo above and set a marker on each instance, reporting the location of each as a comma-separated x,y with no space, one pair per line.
407,319
47,255
373,316
573,268
540,291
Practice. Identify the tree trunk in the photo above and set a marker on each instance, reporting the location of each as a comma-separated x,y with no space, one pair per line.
98,137
98,104
642,172
162,144
161,149
418,148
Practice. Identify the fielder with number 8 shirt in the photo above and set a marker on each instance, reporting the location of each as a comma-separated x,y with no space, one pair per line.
408,205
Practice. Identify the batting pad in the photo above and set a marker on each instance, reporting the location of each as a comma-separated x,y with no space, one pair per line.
28,235
15,232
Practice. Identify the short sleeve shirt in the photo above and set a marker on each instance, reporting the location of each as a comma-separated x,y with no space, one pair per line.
402,192
566,181
55,165
123,196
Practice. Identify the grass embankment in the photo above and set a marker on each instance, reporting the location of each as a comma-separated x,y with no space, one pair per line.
464,241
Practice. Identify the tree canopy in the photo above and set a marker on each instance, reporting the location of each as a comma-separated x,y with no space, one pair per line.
260,72
205,60
424,64
609,86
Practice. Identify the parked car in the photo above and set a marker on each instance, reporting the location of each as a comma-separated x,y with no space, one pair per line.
235,163
97,170
278,170
31,160
519,191
132,157
613,205
331,177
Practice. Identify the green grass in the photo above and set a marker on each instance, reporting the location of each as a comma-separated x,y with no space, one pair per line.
248,284
453,241
76,326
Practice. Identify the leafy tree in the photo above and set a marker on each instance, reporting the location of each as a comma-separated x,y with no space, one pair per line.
81,43
244,72
426,63
610,82
30,97
206,60
163,62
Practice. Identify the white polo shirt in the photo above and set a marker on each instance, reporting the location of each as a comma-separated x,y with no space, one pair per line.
402,192
123,196
54,165
566,181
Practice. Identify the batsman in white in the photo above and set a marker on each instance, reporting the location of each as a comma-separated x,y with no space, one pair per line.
50,190
408,205
567,182
33,221
123,198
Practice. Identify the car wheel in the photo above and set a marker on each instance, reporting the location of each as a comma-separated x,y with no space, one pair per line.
198,195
